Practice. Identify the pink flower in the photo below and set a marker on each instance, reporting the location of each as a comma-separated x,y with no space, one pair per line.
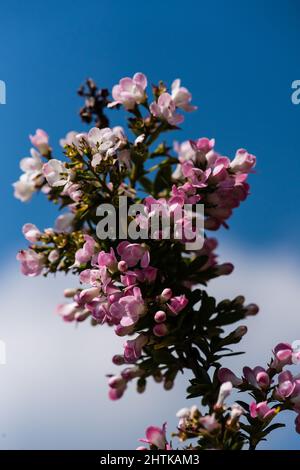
133,348
31,178
243,162
108,259
105,143
40,140
226,375
182,97
176,304
165,109
31,233
31,262
156,437
261,411
130,91
235,413
257,377
84,254
132,253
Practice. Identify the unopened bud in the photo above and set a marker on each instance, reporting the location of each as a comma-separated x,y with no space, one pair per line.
166,295
116,381
123,330
240,331
141,385
168,384
70,292
122,266
239,300
224,269
252,309
157,376
118,360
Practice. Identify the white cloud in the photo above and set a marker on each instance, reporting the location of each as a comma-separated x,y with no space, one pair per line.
53,388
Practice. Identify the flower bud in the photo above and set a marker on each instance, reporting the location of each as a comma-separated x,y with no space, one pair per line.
240,331
123,330
118,360
122,266
160,316
160,330
252,309
68,293
166,295
168,384
141,385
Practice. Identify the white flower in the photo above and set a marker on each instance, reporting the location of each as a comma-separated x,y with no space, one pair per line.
107,143
64,222
24,188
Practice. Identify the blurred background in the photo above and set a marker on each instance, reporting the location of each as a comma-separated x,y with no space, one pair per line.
239,60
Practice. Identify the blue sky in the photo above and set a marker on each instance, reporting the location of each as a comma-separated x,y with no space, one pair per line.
238,59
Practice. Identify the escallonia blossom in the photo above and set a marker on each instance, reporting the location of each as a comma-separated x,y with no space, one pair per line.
31,179
151,287
31,262
130,91
156,438
262,411
165,109
40,140
181,96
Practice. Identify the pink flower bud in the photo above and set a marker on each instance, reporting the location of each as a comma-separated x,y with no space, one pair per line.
160,316
166,295
160,330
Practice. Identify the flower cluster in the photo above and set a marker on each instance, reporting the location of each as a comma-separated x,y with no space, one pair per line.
150,285
218,182
270,385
